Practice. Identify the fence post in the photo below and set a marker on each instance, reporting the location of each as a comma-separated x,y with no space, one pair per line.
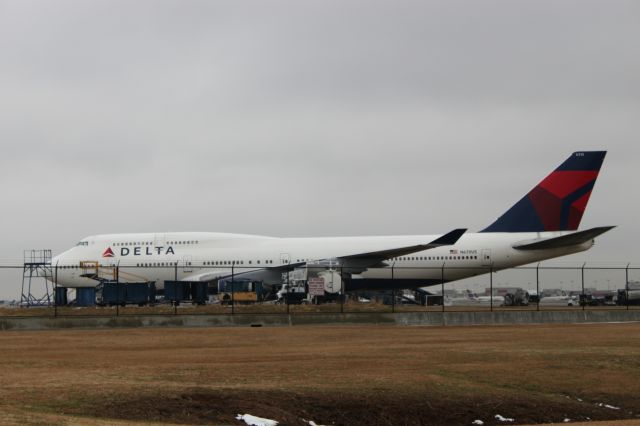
393,286
286,295
55,291
584,301
342,292
233,288
626,285
442,284
393,295
175,280
538,286
491,288
117,288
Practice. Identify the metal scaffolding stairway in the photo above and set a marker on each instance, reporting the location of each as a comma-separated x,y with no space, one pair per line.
37,268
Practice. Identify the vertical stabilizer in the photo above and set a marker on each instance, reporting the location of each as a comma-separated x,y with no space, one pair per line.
558,202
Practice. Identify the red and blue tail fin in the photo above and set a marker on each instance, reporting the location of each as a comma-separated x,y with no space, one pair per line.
558,202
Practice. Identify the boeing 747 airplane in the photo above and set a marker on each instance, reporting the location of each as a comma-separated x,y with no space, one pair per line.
542,225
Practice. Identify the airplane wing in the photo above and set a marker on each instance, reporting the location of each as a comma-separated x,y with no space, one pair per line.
562,241
357,263
353,262
375,258
446,240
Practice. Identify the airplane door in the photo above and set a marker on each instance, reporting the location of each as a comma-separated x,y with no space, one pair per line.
159,240
486,257
186,264
285,258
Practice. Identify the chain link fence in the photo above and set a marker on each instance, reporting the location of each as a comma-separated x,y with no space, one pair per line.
161,289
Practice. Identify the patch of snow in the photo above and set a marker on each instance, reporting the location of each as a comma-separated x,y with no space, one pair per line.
611,407
503,419
312,423
566,420
255,421
477,422
579,399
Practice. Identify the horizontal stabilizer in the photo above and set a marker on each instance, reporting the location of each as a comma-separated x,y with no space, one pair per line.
445,240
562,241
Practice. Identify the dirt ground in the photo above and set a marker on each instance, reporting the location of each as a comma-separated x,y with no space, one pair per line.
365,375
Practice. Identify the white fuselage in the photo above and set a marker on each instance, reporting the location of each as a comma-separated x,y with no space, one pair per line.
190,255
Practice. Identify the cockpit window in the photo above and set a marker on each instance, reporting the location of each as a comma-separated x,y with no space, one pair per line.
83,243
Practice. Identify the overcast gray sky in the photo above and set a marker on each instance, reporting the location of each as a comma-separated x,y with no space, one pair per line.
309,118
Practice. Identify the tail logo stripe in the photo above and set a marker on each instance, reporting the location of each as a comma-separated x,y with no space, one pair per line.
563,183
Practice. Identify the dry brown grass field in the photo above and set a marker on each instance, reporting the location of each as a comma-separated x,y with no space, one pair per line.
343,375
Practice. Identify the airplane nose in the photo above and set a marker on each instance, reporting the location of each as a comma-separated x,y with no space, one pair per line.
59,259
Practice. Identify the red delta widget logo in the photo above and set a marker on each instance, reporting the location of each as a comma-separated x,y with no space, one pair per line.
138,251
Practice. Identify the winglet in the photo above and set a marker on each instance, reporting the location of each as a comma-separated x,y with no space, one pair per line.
448,239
